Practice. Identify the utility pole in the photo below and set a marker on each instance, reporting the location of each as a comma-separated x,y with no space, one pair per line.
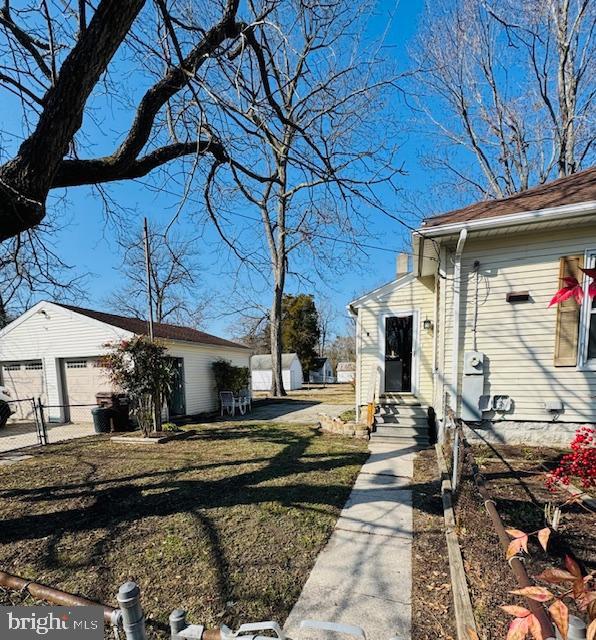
156,399
148,277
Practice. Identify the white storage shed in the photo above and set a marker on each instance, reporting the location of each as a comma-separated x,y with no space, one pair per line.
262,375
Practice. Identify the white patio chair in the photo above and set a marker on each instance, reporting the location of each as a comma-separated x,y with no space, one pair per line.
244,401
227,403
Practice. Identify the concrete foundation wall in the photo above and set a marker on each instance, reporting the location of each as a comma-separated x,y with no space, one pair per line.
532,434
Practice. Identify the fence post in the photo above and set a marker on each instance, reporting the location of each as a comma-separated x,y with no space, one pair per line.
177,623
44,430
133,619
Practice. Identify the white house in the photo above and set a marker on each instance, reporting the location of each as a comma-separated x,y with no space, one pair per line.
346,371
469,327
261,372
322,371
52,351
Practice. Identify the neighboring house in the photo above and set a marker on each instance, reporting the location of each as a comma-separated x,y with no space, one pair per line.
346,371
52,351
262,374
469,326
322,371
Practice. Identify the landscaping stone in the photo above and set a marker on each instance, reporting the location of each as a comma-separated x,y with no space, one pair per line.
334,424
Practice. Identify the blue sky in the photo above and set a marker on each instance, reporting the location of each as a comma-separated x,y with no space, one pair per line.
86,239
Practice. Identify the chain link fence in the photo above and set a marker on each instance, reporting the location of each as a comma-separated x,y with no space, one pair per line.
28,422
22,425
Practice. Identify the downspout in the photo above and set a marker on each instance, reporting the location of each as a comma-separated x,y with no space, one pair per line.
463,234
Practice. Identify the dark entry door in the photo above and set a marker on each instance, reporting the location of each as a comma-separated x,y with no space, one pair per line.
398,353
177,402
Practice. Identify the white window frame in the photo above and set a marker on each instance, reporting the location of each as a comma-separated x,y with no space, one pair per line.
585,314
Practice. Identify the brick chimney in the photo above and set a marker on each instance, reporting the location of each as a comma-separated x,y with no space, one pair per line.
402,264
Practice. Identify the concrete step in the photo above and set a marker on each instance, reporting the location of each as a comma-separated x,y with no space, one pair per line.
407,410
392,419
399,441
399,398
399,430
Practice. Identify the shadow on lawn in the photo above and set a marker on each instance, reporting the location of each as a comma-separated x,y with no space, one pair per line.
168,492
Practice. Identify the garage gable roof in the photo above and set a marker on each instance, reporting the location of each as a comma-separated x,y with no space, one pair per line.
160,330
574,189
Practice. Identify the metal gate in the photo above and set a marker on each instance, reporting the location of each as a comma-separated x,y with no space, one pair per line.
19,432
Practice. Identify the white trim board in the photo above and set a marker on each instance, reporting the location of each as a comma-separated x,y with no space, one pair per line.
394,285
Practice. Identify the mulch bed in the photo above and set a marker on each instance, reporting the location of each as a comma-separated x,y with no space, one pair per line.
515,479
226,524
432,603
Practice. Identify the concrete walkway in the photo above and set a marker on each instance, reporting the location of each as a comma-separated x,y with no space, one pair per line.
363,576
292,411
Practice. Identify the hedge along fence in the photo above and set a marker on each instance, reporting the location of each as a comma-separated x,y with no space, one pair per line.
228,377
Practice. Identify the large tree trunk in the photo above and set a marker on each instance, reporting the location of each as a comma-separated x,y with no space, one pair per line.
277,383
26,179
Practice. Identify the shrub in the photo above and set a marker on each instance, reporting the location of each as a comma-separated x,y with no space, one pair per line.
141,369
580,464
229,377
169,426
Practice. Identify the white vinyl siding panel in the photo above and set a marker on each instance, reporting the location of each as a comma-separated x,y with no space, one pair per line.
417,295
519,338
199,383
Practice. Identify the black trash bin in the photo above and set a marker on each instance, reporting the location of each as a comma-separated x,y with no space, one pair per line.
119,405
5,413
102,419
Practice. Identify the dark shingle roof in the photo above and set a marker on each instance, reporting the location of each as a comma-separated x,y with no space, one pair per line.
573,189
138,326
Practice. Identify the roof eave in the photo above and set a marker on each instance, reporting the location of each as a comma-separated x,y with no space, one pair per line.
510,220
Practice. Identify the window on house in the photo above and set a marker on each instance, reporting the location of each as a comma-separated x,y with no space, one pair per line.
13,366
33,366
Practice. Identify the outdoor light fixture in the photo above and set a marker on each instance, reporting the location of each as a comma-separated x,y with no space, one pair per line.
427,324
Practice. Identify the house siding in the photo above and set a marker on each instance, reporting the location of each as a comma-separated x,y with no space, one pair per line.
199,382
518,339
418,295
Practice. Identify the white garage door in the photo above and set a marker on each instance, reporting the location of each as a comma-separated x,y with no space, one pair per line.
24,380
83,378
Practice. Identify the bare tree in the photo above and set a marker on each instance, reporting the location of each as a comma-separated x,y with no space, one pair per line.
303,100
52,58
508,86
174,276
327,316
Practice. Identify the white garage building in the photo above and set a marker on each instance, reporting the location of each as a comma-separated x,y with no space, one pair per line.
262,374
52,352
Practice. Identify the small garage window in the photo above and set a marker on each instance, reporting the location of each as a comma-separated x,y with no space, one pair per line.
76,364
33,366
12,366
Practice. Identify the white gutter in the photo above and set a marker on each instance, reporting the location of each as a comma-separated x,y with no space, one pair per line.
456,310
539,215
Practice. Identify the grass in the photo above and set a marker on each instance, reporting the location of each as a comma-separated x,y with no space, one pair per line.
226,524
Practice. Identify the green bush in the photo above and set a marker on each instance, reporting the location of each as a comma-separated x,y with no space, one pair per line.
229,377
169,426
